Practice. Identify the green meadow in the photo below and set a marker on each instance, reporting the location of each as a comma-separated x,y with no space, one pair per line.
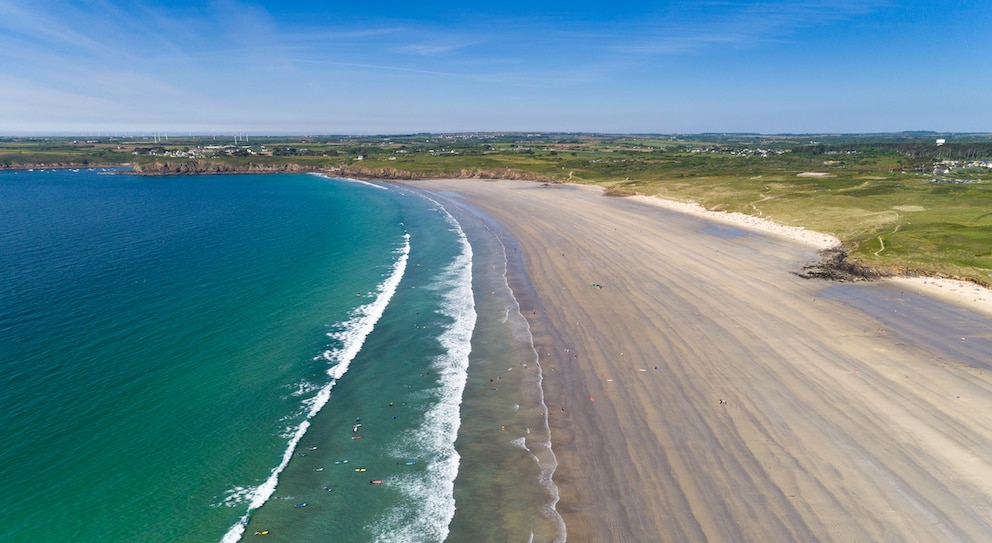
901,203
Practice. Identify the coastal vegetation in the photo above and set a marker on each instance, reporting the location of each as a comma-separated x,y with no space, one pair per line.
917,203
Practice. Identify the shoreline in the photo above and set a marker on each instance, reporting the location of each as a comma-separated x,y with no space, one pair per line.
643,320
504,296
961,293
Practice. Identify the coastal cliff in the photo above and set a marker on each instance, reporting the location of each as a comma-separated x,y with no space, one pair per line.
363,172
196,167
54,165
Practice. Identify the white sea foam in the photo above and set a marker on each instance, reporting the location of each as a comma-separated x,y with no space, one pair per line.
359,181
352,338
430,503
236,496
305,387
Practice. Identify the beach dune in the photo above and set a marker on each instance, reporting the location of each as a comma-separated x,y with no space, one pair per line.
698,390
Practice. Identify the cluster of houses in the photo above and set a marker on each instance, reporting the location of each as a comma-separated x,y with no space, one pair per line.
745,152
206,151
945,166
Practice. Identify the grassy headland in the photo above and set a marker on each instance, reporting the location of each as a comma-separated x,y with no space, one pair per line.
901,203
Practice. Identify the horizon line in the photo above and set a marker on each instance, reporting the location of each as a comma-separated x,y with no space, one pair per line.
276,134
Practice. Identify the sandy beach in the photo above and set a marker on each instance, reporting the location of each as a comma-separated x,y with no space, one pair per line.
698,390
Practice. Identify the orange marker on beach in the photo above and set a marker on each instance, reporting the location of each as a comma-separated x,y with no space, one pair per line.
590,399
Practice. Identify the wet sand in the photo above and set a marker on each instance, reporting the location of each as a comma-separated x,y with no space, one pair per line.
698,390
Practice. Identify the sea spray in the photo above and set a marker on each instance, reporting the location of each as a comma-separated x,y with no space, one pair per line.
351,337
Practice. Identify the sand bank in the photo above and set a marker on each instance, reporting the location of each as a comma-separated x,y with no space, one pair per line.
698,390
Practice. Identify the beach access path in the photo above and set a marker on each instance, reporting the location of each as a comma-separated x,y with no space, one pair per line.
698,390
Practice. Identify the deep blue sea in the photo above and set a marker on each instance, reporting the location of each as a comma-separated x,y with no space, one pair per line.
208,358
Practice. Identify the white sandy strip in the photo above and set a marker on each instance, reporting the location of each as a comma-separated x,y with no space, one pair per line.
817,240
961,293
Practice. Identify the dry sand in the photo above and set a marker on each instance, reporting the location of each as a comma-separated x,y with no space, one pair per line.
699,391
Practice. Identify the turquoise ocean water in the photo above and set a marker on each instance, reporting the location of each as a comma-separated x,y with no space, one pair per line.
204,358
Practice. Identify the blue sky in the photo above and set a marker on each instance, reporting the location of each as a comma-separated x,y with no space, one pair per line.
335,67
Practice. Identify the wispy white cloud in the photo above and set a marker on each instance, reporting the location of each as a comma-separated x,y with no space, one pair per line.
740,24
435,48
97,58
138,34
382,67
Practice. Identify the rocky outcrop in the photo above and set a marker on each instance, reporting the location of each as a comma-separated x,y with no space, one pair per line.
363,172
835,265
505,173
